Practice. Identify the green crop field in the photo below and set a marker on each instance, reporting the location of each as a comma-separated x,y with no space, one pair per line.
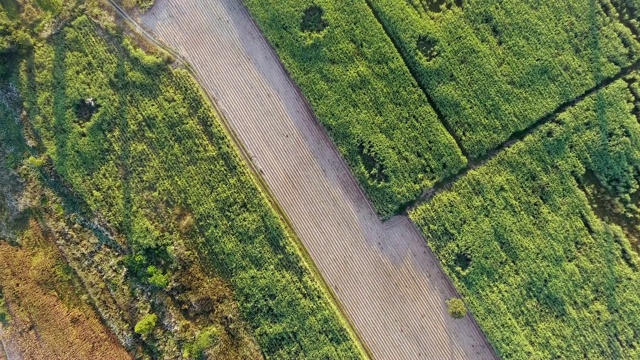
136,144
363,94
495,67
509,129
541,241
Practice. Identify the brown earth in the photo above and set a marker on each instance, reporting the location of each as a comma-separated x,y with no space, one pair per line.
49,319
383,275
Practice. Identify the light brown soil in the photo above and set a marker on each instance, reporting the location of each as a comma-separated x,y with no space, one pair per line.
48,318
3,351
384,276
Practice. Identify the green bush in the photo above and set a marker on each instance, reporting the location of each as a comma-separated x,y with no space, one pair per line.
157,278
206,339
146,325
456,308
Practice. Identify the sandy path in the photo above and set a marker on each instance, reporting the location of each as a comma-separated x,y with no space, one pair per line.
3,351
386,279
8,350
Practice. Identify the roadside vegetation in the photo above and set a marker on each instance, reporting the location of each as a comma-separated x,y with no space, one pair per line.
152,209
494,68
142,5
542,241
363,94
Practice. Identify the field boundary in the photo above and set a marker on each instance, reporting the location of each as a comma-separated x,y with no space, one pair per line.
430,101
263,187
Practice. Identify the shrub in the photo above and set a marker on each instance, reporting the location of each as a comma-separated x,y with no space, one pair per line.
457,310
146,324
157,278
313,19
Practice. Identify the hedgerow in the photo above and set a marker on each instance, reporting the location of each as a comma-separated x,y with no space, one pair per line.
363,94
541,241
138,142
495,67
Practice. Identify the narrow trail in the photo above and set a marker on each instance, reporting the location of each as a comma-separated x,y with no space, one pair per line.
383,276
517,137
6,352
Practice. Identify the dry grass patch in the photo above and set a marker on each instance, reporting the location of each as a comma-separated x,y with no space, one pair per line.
48,318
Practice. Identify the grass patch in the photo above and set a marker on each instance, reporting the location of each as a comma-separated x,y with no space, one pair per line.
551,274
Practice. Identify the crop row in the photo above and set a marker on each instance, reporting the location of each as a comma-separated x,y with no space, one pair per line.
541,241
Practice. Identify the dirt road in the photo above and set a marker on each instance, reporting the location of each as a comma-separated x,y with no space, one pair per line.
384,276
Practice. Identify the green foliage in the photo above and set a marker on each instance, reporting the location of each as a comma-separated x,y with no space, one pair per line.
456,308
502,65
154,161
146,325
313,19
13,40
363,94
9,10
206,339
157,278
545,272
51,6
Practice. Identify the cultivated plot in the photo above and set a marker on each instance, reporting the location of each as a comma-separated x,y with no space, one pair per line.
493,68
